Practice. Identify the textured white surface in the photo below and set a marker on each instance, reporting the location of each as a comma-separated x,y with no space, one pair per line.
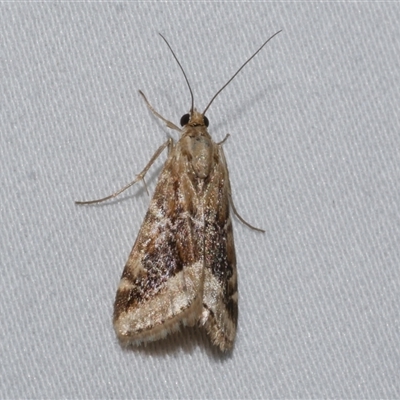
313,157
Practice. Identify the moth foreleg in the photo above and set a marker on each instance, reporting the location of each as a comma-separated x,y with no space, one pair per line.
151,108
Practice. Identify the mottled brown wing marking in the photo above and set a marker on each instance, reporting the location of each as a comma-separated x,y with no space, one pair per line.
166,263
220,286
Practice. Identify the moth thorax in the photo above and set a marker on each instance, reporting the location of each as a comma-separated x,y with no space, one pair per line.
200,150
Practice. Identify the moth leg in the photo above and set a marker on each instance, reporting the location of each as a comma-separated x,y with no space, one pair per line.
224,139
241,219
169,123
168,143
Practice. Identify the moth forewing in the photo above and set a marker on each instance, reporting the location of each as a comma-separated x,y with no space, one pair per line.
220,297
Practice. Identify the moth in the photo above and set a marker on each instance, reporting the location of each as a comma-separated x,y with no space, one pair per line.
182,267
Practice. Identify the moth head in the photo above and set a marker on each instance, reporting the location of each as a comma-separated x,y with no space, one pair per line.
194,118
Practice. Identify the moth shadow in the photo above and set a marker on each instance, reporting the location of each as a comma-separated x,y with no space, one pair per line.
186,340
241,110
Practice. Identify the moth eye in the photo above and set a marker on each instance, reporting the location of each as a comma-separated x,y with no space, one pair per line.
185,119
206,122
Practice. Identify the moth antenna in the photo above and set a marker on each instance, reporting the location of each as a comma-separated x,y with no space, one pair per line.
230,80
183,71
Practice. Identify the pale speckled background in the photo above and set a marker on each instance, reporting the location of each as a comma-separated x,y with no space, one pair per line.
313,157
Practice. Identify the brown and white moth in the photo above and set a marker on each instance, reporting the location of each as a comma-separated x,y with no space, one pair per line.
182,268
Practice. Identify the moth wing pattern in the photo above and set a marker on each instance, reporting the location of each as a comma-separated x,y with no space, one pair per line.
220,297
162,281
